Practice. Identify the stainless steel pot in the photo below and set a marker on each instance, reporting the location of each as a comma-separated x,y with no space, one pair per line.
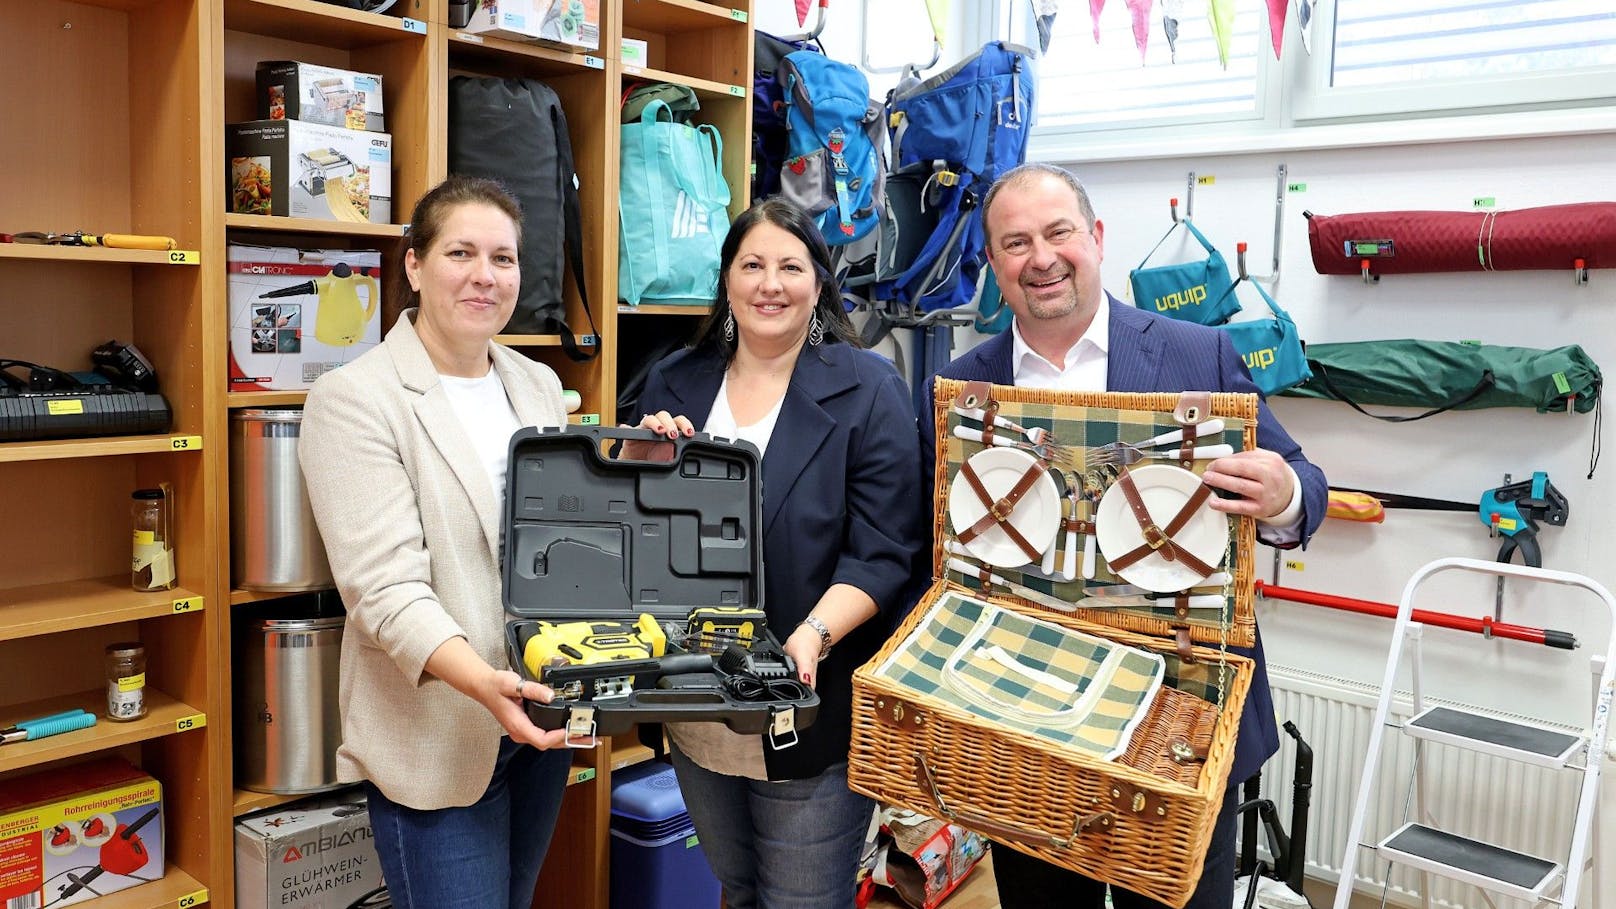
287,723
274,544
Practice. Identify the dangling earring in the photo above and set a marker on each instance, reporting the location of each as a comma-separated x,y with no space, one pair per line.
816,330
729,326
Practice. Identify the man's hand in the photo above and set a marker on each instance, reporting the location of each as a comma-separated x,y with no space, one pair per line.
663,424
1260,479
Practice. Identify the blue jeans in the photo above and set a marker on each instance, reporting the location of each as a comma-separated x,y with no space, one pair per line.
484,855
778,845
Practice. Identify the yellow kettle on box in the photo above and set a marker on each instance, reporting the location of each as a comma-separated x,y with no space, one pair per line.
340,320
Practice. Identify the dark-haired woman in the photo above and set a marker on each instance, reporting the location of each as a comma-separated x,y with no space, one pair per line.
777,363
403,451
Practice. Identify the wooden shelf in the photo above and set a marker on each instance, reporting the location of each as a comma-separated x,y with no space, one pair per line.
164,893
528,340
265,398
164,716
247,801
322,23
239,597
96,448
674,16
706,89
628,751
539,58
661,309
51,608
277,224
99,254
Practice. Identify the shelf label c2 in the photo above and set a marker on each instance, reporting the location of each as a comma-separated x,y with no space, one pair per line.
184,257
187,723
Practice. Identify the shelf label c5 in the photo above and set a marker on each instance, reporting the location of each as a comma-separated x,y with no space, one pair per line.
413,26
185,443
187,723
184,257
739,15
188,604
192,899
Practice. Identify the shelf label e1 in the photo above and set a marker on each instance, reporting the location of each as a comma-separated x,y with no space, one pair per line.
184,257
192,899
413,26
185,443
739,15
188,604
187,723
594,62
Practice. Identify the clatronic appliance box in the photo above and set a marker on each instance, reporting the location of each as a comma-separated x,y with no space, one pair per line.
309,170
309,855
296,314
568,23
289,90
72,834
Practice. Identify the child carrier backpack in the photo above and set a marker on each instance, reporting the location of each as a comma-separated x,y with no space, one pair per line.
835,166
514,131
769,110
952,136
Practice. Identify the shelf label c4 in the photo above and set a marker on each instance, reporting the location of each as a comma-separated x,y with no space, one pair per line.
188,604
192,899
185,443
187,723
184,257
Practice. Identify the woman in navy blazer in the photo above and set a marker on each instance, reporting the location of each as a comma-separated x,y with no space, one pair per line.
777,363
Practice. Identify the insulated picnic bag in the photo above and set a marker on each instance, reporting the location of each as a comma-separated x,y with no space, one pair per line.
835,166
514,131
953,135
672,210
1271,348
1409,242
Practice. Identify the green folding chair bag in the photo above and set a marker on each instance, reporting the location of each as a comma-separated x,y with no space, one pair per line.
1449,375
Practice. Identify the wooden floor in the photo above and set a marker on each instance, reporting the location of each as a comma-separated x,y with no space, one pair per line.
976,893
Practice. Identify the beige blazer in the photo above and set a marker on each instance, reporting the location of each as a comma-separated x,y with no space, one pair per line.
411,525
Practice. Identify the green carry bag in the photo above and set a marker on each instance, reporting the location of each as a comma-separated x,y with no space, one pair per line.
1449,375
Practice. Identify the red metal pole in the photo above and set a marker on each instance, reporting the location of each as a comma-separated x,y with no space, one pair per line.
1485,625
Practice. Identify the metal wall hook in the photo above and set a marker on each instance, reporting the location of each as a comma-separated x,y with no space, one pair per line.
1173,207
819,26
1579,271
1240,260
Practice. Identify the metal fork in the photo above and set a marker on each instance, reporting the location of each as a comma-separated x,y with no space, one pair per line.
1121,454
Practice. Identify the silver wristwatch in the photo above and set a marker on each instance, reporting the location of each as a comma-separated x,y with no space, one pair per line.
824,635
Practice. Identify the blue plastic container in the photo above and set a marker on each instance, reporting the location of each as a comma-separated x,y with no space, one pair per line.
657,862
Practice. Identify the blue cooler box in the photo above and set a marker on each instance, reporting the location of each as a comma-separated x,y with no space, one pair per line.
657,862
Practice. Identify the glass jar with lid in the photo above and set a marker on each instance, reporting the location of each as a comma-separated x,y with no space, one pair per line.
152,562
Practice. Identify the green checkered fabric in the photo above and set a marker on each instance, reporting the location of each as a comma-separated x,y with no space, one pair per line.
1081,428
1032,677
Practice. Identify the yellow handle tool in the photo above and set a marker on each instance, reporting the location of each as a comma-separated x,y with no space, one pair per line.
127,241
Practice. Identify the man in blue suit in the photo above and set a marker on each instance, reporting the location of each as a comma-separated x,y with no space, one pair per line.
1045,246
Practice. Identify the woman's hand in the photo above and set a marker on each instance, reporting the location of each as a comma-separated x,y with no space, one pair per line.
803,648
502,693
663,424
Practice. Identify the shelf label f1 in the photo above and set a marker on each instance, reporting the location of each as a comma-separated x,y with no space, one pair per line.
187,723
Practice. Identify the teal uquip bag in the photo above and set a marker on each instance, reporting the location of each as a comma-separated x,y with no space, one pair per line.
1189,291
672,210
1272,348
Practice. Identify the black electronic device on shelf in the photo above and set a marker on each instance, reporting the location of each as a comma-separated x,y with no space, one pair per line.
119,398
634,588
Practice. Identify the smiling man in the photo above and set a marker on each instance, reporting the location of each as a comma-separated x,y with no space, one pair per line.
1045,245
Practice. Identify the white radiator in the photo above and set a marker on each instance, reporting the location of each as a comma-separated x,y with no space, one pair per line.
1528,809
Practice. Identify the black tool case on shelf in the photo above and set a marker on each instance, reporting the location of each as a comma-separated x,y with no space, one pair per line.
603,554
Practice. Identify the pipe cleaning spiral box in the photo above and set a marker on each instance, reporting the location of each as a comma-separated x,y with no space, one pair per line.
310,854
69,835
634,588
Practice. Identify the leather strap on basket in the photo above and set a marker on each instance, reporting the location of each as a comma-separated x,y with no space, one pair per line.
1193,408
999,512
1158,539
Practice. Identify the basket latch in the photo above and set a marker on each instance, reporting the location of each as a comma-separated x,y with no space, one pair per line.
1130,800
898,713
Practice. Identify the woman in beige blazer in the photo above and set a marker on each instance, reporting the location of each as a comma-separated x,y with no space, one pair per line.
403,451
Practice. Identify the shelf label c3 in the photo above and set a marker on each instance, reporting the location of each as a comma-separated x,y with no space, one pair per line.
188,604
185,443
414,26
187,723
184,257
192,899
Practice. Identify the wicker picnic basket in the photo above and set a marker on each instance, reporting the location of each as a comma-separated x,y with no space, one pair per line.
1142,820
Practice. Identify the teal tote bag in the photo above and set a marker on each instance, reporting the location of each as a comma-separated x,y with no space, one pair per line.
672,211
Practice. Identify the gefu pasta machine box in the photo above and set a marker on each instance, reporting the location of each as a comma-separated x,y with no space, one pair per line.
289,90
309,170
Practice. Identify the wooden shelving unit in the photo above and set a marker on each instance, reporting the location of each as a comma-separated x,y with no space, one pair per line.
135,140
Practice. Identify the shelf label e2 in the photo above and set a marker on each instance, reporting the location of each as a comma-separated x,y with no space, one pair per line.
187,723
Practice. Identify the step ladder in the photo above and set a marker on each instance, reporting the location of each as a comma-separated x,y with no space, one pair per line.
1419,845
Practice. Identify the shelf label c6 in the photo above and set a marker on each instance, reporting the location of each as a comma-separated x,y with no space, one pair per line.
192,899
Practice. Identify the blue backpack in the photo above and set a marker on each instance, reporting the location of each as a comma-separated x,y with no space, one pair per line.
769,110
835,167
956,133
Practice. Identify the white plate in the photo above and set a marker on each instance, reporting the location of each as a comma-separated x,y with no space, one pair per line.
1164,489
1036,516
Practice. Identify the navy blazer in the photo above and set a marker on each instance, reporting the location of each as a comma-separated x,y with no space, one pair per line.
841,504
1152,353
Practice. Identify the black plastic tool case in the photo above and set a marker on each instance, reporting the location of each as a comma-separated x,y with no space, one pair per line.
587,537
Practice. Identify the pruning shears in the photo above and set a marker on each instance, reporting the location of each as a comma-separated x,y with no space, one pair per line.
40,727
80,238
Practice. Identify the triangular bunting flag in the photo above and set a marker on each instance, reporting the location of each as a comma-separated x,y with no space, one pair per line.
1095,7
1220,13
1276,23
1141,24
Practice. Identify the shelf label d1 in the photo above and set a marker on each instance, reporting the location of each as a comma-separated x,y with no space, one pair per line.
413,26
188,604
192,899
185,443
184,257
187,723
